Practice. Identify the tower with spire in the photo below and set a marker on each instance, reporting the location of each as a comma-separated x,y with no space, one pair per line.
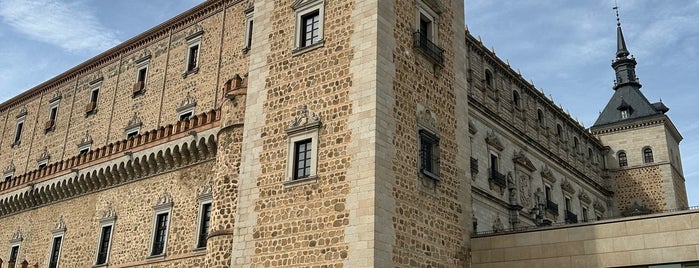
643,159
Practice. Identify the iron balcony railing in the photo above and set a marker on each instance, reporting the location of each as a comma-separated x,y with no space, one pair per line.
498,178
552,207
430,49
571,217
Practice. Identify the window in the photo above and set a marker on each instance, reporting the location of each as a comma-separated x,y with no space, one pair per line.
429,154
193,52
186,108
161,222
559,131
426,32
204,223
185,115
584,214
55,252
104,244
105,238
494,164
547,191
91,106
248,30
622,159
540,118
488,78
516,99
568,204
132,133
309,24
302,154
14,253
624,114
589,153
302,159
84,149
575,144
41,166
18,132
53,114
647,155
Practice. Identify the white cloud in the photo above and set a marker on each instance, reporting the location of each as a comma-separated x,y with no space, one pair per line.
70,26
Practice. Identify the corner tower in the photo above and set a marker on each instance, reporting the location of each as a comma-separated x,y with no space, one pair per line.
644,157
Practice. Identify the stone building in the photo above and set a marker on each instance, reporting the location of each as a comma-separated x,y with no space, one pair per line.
300,133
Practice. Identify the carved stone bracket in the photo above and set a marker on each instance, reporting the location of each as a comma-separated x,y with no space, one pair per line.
584,197
472,128
547,174
599,206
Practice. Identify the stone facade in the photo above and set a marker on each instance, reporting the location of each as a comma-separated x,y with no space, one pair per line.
403,112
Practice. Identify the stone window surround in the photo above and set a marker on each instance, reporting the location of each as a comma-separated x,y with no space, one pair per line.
163,206
16,241
17,139
107,221
205,197
58,231
433,138
648,157
141,64
248,29
302,8
95,86
425,11
625,161
53,104
193,40
304,127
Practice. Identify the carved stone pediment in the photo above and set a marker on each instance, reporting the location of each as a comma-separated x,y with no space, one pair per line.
135,122
56,96
164,199
493,140
304,121
187,103
547,174
522,160
195,31
567,187
22,112
17,236
45,156
426,118
60,226
10,168
206,191
96,78
584,197
86,140
109,213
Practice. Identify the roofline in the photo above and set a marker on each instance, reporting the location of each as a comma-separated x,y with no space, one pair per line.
184,19
629,124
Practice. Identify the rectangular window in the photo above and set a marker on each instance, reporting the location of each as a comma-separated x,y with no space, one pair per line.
131,134
55,252
53,113
160,235
204,222
140,80
425,26
18,132
568,204
548,192
103,247
311,28
14,252
193,58
248,30
584,214
302,159
429,154
185,115
92,105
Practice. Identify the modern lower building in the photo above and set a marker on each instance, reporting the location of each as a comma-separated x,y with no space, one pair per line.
310,133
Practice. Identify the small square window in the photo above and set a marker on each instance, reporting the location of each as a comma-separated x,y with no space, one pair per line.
309,24
429,154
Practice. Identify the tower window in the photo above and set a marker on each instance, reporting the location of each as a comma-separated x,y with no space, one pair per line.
14,252
648,155
18,132
623,162
55,252
589,153
193,58
248,30
575,143
540,118
516,99
309,24
311,29
204,223
103,247
559,131
488,78
624,114
193,52
160,235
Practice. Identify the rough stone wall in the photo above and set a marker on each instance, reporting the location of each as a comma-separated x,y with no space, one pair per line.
428,224
642,185
221,58
300,225
132,229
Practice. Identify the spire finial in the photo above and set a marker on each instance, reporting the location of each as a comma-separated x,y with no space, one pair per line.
616,8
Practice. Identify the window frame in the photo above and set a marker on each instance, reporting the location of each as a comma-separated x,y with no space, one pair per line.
425,11
625,159
104,223
311,137
142,66
205,198
19,128
132,132
302,9
53,115
193,41
431,139
57,233
647,153
93,97
249,26
516,100
306,126
14,251
163,207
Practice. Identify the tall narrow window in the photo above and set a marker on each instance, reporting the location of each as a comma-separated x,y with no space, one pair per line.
493,164
429,154
103,248
648,155
248,29
622,159
426,26
624,114
193,52
14,252
568,204
540,118
488,78
55,252
94,96
589,153
547,191
559,131
141,76
516,99
302,159
18,132
585,218
53,114
204,223
160,234
575,144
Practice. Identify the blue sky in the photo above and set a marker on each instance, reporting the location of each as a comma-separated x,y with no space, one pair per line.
565,47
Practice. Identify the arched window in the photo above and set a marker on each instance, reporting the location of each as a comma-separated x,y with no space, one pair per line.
515,99
589,153
559,131
575,143
488,78
622,159
647,155
540,117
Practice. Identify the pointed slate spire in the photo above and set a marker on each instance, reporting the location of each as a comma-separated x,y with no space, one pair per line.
621,50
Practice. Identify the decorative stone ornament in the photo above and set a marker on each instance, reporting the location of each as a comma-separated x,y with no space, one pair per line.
86,140
523,160
44,157
187,103
306,120
22,112
426,118
599,206
165,200
17,236
584,197
493,140
195,31
109,213
60,226
472,128
498,226
9,171
135,122
547,174
567,187
56,96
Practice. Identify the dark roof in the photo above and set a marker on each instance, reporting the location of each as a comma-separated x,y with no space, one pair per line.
628,98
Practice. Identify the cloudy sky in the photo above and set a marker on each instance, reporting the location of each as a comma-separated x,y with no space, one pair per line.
564,46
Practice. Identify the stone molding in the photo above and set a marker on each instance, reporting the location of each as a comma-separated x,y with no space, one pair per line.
17,236
522,160
567,187
547,174
493,140
60,227
305,121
